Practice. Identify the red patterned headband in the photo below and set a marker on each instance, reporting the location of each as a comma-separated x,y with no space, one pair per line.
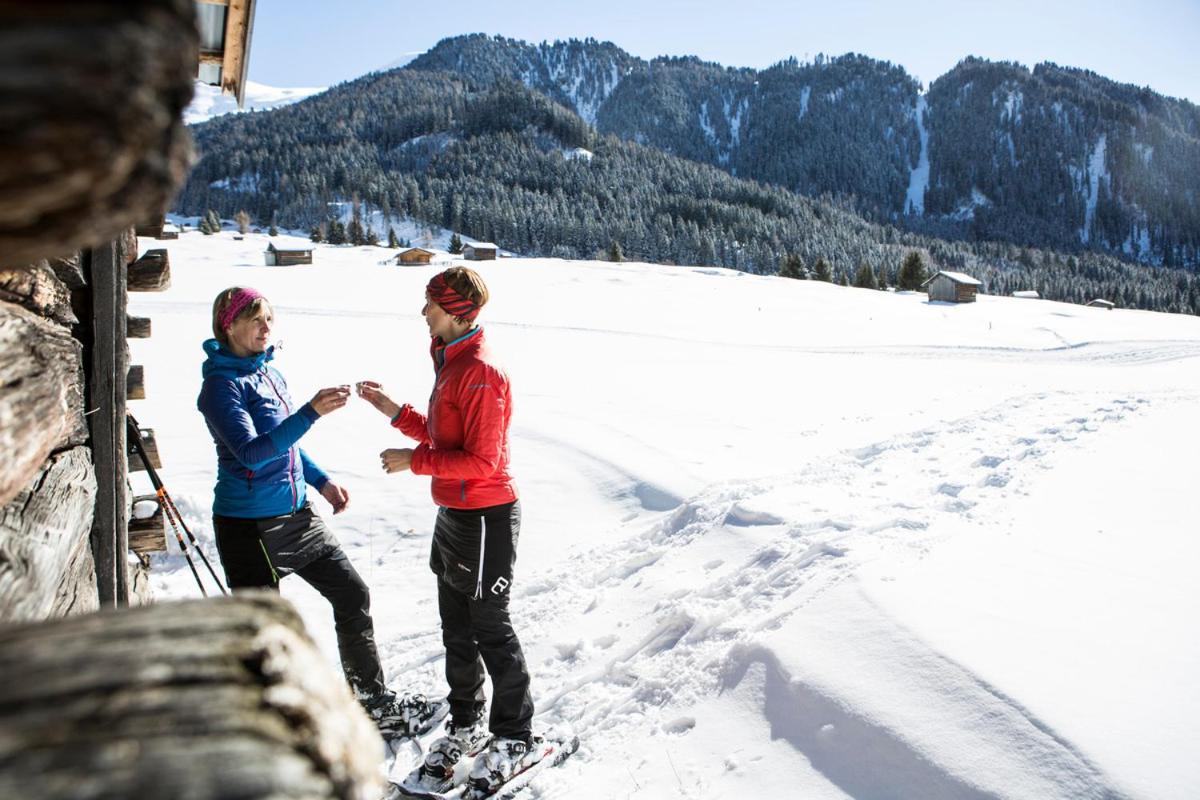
451,301
237,304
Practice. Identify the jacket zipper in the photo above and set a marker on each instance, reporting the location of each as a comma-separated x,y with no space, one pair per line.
291,457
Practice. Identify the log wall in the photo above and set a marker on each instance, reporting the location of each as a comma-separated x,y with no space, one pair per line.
203,699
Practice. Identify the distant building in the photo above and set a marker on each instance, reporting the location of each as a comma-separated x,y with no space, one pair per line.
414,255
277,257
1028,295
1101,303
150,227
480,251
169,231
952,287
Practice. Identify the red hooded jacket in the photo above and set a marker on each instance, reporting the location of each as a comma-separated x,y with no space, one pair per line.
464,440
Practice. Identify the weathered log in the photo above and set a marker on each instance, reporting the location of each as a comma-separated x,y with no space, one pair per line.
137,327
151,227
129,244
91,131
147,534
106,272
135,383
151,445
201,699
151,272
38,289
46,566
41,395
69,270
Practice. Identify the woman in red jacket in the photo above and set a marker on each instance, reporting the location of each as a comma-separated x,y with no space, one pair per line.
463,445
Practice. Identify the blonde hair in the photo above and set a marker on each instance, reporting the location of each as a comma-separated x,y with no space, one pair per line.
222,302
467,283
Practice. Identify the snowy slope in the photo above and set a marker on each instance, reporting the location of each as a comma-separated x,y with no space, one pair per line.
780,538
208,102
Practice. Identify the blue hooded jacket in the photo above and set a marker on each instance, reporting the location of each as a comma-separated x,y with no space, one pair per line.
255,425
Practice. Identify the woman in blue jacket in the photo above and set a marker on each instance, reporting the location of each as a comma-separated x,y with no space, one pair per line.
265,527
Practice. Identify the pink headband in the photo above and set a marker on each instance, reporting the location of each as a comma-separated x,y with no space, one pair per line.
237,304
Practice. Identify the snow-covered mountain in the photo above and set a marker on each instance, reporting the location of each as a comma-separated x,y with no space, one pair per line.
208,101
798,540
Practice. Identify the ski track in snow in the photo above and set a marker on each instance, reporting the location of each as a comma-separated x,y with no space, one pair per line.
639,680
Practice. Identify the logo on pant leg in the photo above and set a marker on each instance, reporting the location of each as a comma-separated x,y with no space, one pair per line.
500,585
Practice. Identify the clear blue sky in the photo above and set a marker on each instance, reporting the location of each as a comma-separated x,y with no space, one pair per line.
1144,42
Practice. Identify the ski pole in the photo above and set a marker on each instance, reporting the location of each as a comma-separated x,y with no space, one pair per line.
170,510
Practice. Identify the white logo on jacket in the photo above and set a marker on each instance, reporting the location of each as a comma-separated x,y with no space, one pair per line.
500,585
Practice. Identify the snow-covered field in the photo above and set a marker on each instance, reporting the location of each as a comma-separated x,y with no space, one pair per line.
781,539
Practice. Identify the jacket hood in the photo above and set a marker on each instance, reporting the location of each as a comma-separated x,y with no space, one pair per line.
222,362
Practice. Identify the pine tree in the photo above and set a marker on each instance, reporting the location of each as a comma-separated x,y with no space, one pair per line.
354,231
243,221
792,266
393,242
822,270
337,232
214,221
865,277
370,237
316,235
204,227
614,251
912,273
455,244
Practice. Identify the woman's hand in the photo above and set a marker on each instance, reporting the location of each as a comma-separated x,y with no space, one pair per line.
396,460
338,497
373,393
330,399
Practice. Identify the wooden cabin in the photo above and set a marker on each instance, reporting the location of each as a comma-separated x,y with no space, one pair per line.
480,251
952,287
414,256
100,699
1101,303
279,257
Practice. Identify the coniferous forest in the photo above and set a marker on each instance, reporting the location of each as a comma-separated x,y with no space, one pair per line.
656,159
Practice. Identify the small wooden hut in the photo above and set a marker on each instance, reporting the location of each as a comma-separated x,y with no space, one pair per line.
480,251
952,287
414,256
278,257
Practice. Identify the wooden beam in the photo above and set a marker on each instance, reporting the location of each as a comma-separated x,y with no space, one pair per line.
213,57
106,275
72,179
148,534
135,461
137,327
135,383
203,699
239,25
41,404
44,542
151,272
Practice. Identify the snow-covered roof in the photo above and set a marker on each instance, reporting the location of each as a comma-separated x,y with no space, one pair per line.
957,277
170,227
481,245
1030,294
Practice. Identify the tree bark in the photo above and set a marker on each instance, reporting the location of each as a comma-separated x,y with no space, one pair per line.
203,699
41,395
92,138
137,327
46,566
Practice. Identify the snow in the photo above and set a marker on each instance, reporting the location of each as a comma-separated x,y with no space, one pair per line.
208,101
967,210
1096,170
788,539
805,94
918,178
958,277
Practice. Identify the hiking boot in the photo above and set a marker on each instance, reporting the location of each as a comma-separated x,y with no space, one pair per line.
502,759
436,774
406,715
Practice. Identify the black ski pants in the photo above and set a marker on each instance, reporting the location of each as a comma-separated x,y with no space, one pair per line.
257,553
473,556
